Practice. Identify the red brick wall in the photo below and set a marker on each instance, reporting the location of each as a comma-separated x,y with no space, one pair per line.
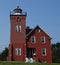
17,39
23,52
38,46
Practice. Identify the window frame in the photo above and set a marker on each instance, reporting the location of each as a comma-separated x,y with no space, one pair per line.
43,39
33,41
18,51
33,51
18,28
43,51
37,30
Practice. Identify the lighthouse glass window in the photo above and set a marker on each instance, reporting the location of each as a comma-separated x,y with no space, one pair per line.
18,28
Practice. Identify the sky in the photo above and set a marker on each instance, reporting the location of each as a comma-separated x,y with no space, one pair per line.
45,13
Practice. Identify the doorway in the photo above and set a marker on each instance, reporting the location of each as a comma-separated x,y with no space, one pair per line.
30,52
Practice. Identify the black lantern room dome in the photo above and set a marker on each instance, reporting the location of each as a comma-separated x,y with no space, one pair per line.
18,11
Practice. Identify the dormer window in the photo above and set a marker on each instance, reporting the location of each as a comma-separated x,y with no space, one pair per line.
18,28
37,30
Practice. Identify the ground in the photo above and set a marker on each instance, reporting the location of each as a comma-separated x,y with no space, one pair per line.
23,63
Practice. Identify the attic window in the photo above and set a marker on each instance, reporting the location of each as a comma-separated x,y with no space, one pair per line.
37,30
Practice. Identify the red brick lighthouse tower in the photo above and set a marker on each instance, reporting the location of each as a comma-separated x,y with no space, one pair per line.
17,47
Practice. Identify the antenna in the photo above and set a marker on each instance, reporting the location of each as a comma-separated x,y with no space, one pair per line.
18,2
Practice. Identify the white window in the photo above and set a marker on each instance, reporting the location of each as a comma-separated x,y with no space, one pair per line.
33,39
18,28
18,51
43,40
37,30
43,51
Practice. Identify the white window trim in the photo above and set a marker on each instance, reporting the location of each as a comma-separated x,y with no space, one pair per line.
18,51
44,51
18,28
38,31
44,39
34,39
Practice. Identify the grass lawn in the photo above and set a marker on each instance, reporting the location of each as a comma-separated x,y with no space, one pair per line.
23,63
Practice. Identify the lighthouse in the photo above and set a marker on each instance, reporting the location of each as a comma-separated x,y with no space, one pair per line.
17,46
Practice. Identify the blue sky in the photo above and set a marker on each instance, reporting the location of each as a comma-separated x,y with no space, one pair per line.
45,13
